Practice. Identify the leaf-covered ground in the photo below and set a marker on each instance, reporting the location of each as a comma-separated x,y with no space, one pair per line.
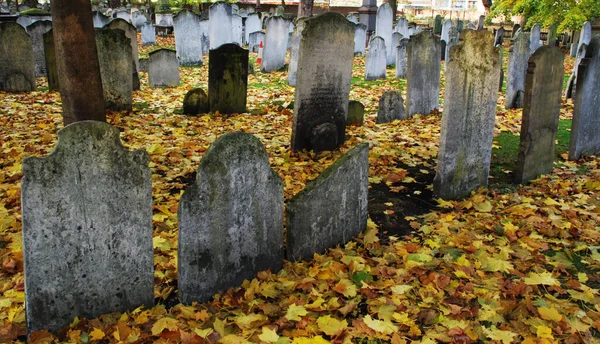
508,264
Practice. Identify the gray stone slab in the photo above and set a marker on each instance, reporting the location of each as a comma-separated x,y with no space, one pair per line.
163,68
585,35
585,139
553,35
423,74
138,19
332,209
116,68
254,41
228,79
131,34
499,37
391,107
99,19
446,30
237,29
295,41
205,35
323,84
253,24
360,39
375,61
453,37
572,82
402,27
518,61
534,38
275,44
356,113
220,24
87,228
50,57
148,34
468,119
230,219
384,29
17,72
36,31
402,58
188,41
541,111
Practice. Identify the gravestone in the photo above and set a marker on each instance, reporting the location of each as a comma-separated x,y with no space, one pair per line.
515,29
87,228
188,40
195,102
585,36
138,19
323,83
279,11
205,35
481,23
144,65
460,25
552,35
253,24
164,19
99,19
585,139
391,107
443,50
446,30
296,37
116,66
356,113
437,25
275,44
36,32
254,41
230,219
360,39
470,26
402,58
228,79
453,37
123,14
541,111
17,72
353,18
402,27
573,50
163,68
518,61
384,29
375,61
220,24
50,57
468,119
499,37
131,34
572,82
237,29
148,34
534,39
396,37
423,74
332,209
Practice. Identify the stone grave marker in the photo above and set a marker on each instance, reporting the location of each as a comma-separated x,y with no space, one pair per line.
99,19
423,74
375,61
573,50
481,23
353,18
470,26
205,35
131,34
585,36
220,24
391,107
50,57
572,82
384,29
254,41
36,32
195,102
188,40
253,24
446,30
402,27
541,111
396,37
518,61
437,25
515,29
138,19
123,14
228,78
332,209
296,37
87,228
402,58
275,44
468,119
116,66
356,113
552,35
163,68
453,37
230,219
360,39
499,37
148,34
17,71
237,29
534,39
460,25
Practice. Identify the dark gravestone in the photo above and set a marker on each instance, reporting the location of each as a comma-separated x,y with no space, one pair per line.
195,102
391,107
131,34
144,64
37,31
375,61
188,40
499,37
443,50
518,61
17,73
163,68
541,111
230,220
423,74
402,58
515,29
50,56
356,113
585,137
87,228
552,35
481,23
116,66
472,75
437,25
323,83
228,79
332,209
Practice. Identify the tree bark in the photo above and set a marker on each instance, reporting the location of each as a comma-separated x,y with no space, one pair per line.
114,4
305,8
77,61
394,5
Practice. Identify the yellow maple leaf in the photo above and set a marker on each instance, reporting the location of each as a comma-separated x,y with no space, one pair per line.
550,201
444,204
346,288
496,265
549,313
331,326
294,312
313,340
248,321
544,332
541,278
268,335
483,207
162,324
382,326
496,334
96,334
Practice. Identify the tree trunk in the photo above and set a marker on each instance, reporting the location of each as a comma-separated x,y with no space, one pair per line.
394,5
77,61
114,4
305,8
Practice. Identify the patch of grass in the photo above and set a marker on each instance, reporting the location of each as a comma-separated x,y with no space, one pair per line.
503,162
563,136
361,82
35,12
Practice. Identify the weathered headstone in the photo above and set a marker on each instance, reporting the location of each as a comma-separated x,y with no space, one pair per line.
36,31
116,66
446,30
518,61
163,68
131,34
402,58
384,30
481,23
253,24
423,74
50,57
541,111
499,37
296,37
375,61
137,19
453,37
254,40
188,40
279,11
195,102
515,28
275,44
572,82
230,220
443,50
332,209
148,34
391,107
87,228
353,18
17,72
356,113
460,25
552,35
228,78
99,19
573,50
205,35
396,37
437,25
237,29
585,139
534,39
220,24
323,83
402,27
360,39
123,14
585,36
468,119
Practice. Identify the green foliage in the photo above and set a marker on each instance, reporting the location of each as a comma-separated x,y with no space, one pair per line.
35,12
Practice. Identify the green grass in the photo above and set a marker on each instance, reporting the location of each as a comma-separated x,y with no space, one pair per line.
361,82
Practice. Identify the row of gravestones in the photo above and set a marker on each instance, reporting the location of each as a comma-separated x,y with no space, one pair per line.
87,222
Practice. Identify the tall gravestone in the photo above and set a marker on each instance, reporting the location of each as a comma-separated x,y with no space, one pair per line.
515,29
423,74
468,119
50,57
481,23
253,24
437,25
332,209
148,34
402,27
384,30
585,139
323,83
541,111
446,30
360,39
375,61
188,40
87,228
163,68
275,44
296,37
17,72
453,39
116,66
220,24
518,61
535,38
552,35
230,219
254,41
205,35
99,19
237,29
396,37
585,36
402,58
36,31
228,78
131,34
499,37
